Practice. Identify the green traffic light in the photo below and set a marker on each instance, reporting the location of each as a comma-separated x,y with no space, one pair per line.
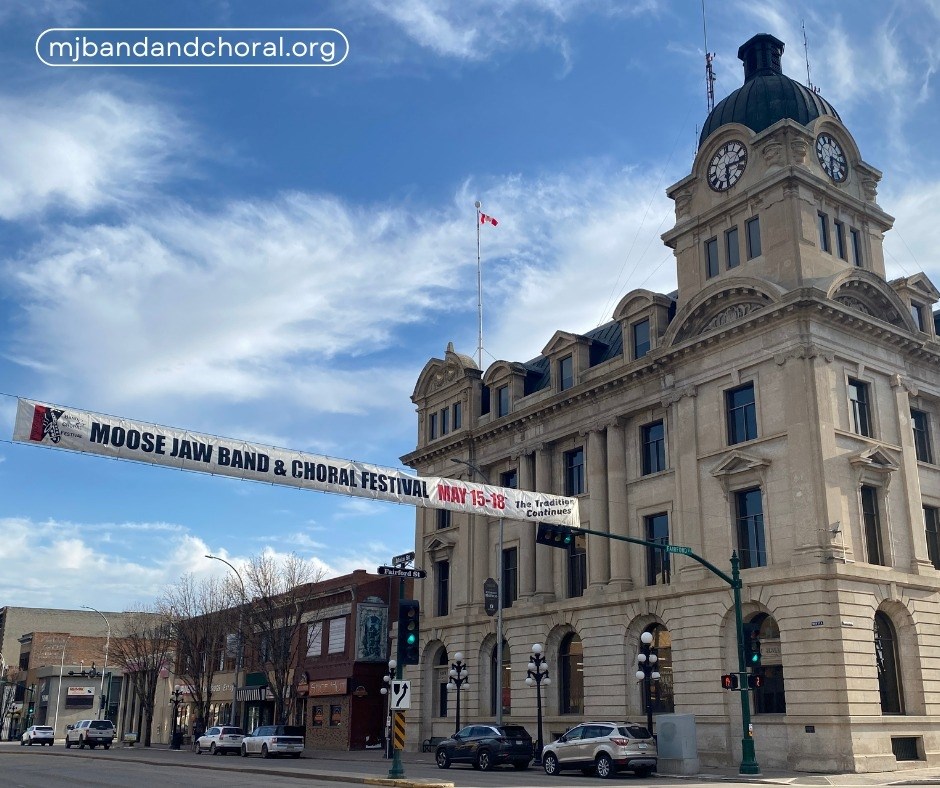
411,639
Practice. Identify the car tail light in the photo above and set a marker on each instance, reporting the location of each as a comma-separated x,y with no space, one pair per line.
620,742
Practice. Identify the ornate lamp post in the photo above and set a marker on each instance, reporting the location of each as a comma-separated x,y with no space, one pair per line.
176,698
107,643
387,678
240,649
459,680
646,671
537,674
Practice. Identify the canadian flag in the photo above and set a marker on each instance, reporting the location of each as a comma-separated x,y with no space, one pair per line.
484,219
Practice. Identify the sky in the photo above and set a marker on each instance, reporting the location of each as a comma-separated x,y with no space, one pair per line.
274,253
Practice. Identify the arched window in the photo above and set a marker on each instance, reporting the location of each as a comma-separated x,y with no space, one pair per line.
507,675
661,698
440,682
886,660
571,671
770,697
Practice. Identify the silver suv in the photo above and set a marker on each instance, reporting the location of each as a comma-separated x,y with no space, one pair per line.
90,732
603,748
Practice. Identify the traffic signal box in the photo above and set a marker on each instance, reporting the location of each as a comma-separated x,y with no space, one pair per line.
555,535
409,633
729,681
752,655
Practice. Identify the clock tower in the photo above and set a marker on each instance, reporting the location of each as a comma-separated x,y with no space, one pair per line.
778,193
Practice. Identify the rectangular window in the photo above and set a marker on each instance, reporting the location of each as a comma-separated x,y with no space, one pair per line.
753,238
565,373
711,258
445,421
654,447
577,569
921,424
336,716
732,249
856,247
337,643
657,561
502,401
510,576
749,516
315,639
509,479
484,400
822,225
840,239
871,520
432,426
641,338
917,312
443,518
861,410
932,527
458,415
574,472
442,579
741,413
317,717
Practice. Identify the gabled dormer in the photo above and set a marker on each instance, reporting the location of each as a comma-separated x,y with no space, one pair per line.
919,295
569,356
644,317
506,383
445,394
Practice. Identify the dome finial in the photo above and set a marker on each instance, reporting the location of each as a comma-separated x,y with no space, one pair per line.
761,55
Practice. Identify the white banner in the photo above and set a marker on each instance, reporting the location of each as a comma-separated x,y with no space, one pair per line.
94,433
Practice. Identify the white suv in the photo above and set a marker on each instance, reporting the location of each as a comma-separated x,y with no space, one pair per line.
604,748
270,740
90,732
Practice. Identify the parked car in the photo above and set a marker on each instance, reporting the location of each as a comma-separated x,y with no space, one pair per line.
270,740
220,740
37,734
486,746
603,748
91,733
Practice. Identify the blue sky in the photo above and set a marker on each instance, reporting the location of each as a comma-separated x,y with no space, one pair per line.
273,254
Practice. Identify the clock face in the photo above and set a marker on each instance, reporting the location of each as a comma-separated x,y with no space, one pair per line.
727,165
832,158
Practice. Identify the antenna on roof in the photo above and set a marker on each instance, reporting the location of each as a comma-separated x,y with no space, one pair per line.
809,80
709,72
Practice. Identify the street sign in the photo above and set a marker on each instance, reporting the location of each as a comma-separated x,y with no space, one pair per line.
394,571
676,548
490,596
401,695
404,558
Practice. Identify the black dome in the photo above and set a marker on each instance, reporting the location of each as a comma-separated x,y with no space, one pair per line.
767,95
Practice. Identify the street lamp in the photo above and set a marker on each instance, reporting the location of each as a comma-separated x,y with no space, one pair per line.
499,601
107,644
536,675
176,698
240,649
58,693
458,681
646,671
387,678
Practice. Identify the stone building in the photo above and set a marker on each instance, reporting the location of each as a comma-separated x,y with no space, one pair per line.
781,404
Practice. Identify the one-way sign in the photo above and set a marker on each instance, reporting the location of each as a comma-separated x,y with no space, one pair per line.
396,572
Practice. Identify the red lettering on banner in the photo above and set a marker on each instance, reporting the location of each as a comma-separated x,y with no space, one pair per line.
451,494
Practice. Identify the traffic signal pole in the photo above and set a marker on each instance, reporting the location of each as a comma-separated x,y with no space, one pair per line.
749,763
398,770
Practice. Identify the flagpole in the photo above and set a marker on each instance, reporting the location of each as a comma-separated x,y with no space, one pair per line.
479,205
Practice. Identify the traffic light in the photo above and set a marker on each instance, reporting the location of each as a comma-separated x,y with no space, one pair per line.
729,681
409,632
755,680
555,535
752,645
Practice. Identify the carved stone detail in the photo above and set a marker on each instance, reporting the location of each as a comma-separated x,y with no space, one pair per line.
853,303
731,314
773,154
899,382
444,376
799,149
870,188
675,395
684,202
808,350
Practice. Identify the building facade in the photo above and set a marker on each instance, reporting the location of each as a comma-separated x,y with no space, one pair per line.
781,405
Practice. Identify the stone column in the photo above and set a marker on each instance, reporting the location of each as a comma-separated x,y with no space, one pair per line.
544,556
687,526
598,551
527,531
617,506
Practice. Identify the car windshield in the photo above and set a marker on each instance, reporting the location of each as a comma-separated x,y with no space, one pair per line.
634,731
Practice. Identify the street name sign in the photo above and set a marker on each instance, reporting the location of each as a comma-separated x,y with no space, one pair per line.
404,558
678,548
395,571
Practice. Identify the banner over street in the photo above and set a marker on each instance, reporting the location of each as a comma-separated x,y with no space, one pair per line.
67,428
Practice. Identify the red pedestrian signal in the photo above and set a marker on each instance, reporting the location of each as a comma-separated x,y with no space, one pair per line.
755,680
729,681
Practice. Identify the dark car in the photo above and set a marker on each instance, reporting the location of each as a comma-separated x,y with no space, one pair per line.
486,746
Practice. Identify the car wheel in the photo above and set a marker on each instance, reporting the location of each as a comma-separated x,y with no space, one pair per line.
212,749
603,766
484,761
295,755
520,765
22,743
81,743
643,771
264,751
443,759
91,745
68,744
550,764
244,751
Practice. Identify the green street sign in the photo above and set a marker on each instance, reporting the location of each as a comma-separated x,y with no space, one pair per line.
678,548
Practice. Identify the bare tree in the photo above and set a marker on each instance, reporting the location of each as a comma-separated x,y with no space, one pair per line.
200,614
143,652
276,592
8,681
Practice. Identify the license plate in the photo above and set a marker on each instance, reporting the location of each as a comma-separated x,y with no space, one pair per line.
519,741
643,746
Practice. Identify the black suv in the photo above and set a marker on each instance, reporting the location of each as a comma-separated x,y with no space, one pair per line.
486,746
